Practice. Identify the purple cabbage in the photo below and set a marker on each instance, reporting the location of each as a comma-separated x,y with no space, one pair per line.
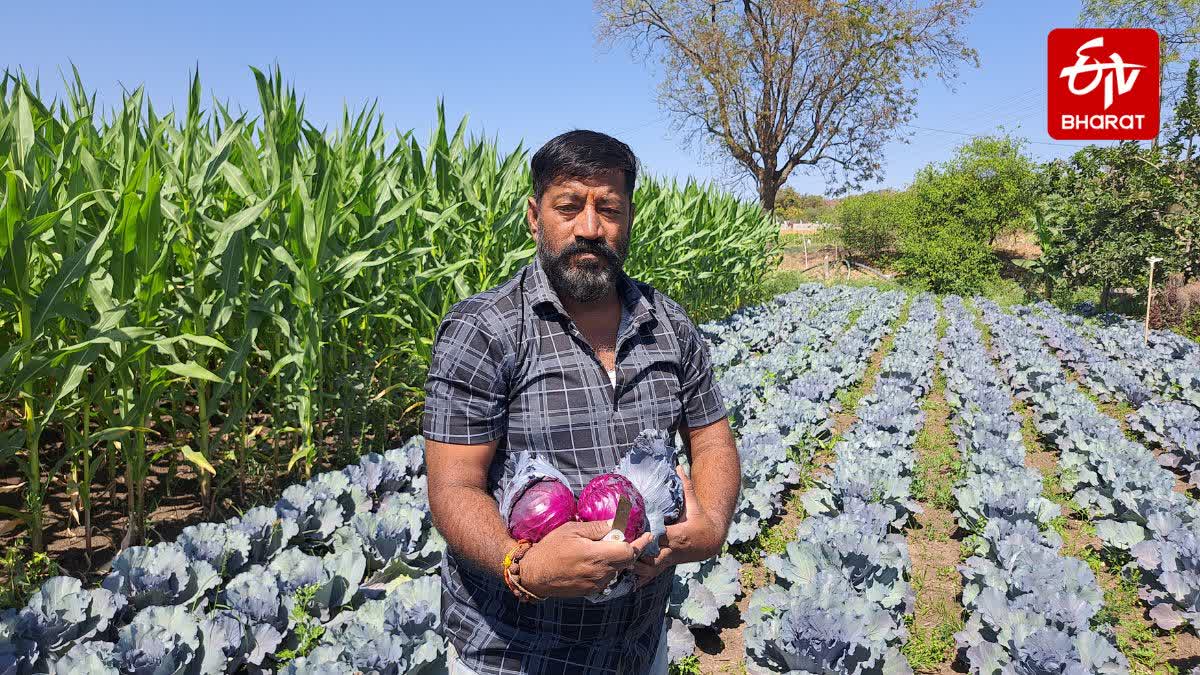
599,498
540,509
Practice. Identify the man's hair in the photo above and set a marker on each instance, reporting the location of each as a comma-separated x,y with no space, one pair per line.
580,153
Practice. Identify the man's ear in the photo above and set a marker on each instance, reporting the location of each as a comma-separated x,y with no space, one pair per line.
531,217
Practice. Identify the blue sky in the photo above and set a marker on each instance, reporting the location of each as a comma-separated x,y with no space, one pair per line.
520,70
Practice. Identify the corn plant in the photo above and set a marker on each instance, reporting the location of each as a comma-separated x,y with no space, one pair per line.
213,290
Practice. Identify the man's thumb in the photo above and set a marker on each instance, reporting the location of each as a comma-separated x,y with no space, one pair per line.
689,490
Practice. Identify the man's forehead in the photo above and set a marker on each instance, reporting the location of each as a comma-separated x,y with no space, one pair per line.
603,183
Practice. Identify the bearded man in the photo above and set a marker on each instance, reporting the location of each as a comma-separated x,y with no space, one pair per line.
571,359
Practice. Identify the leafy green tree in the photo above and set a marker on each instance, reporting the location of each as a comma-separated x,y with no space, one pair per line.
792,206
869,221
1183,153
1105,213
987,189
945,260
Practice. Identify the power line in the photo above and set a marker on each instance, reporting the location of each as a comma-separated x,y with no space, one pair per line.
971,135
1005,102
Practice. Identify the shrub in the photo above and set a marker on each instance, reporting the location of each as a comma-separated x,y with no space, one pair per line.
869,222
945,261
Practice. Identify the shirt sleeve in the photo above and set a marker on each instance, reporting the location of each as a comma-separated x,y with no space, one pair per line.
466,392
702,401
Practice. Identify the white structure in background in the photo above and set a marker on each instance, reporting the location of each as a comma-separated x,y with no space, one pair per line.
788,226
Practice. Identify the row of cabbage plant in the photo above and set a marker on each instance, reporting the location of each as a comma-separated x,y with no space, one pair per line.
1115,480
247,594
1173,426
764,344
1167,362
842,588
795,401
1029,607
775,430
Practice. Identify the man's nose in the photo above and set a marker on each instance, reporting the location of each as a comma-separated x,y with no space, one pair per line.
587,224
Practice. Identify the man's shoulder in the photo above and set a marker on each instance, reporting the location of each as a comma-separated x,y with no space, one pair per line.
675,314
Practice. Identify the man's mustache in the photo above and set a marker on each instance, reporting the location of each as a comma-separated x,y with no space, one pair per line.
600,249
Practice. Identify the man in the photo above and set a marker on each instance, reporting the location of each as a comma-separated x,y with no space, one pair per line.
571,359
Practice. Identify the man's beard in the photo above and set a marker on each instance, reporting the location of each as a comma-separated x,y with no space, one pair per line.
583,280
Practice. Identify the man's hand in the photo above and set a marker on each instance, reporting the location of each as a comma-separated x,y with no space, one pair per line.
694,537
572,561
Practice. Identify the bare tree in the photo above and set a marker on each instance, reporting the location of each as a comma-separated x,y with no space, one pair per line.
780,84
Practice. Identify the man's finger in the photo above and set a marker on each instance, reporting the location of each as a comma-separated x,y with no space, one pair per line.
617,554
690,503
594,530
642,542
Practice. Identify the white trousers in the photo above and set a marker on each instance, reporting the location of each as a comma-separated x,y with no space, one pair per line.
658,666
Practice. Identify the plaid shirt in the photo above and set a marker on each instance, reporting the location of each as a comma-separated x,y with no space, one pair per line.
510,365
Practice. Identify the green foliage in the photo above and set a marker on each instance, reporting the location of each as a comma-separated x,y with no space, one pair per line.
987,189
943,225
1107,209
945,260
23,573
240,291
794,207
776,282
931,646
688,665
1103,216
869,221
308,630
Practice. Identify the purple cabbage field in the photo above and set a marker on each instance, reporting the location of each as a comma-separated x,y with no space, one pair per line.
1068,467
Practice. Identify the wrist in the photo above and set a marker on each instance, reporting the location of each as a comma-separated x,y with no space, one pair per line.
527,572
693,544
512,573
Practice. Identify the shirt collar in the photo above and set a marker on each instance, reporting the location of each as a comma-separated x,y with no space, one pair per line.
633,302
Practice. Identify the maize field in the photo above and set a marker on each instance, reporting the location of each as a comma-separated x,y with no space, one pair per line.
216,302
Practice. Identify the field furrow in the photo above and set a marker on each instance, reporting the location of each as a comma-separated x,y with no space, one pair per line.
849,564
933,545
785,401
1020,592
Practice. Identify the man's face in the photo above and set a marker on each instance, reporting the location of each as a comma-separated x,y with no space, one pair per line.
582,226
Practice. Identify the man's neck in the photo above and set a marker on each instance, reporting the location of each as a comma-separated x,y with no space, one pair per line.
603,306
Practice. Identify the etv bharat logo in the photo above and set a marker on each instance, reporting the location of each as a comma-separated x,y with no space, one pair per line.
1103,84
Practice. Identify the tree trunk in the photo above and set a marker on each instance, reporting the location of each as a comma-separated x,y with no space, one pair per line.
767,190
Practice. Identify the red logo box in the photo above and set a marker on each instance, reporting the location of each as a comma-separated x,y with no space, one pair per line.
1102,84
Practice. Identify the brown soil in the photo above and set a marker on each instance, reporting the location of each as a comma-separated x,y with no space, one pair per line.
1019,245
934,542
172,503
